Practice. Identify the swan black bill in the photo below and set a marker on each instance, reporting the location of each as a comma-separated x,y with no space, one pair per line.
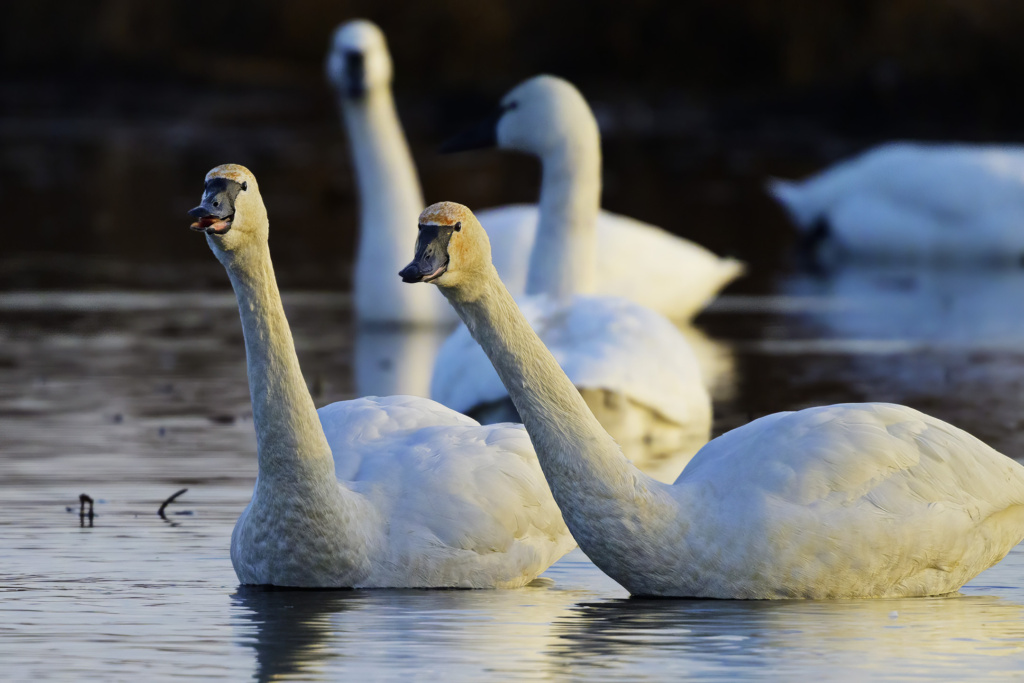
355,74
483,135
217,210
431,259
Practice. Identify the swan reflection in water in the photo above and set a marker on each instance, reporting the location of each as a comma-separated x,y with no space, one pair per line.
297,635
562,626
289,630
964,636
392,360
962,306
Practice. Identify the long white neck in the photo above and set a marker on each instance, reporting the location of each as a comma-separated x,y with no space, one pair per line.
601,494
291,445
564,257
390,201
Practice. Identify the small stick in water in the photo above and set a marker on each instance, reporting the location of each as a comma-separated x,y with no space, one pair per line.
168,502
82,500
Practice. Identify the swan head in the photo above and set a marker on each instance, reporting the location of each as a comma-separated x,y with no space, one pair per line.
358,60
231,213
540,116
451,247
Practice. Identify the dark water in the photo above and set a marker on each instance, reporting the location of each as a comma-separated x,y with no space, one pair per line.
130,396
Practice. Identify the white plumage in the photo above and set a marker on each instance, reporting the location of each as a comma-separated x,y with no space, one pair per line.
374,492
916,202
639,261
844,501
634,260
635,368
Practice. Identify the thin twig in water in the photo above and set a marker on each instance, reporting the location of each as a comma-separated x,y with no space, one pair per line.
82,500
168,502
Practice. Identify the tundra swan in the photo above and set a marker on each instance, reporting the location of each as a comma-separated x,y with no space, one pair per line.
635,369
637,261
374,492
914,202
841,501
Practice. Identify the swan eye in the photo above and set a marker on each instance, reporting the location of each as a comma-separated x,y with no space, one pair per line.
245,185
511,105
458,226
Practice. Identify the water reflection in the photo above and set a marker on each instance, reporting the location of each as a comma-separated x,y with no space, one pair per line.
289,630
964,635
979,307
311,634
396,360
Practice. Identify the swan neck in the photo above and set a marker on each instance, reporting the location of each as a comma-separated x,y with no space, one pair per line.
564,257
583,464
390,201
389,190
289,439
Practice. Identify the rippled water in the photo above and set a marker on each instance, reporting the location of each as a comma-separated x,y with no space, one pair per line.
131,396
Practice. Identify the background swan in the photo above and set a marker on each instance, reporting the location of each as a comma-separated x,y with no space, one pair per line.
677,279
915,202
636,371
855,500
390,198
381,492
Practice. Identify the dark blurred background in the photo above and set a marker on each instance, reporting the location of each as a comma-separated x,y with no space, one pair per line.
111,112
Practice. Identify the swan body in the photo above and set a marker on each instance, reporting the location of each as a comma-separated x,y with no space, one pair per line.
677,277
916,202
635,369
844,501
375,492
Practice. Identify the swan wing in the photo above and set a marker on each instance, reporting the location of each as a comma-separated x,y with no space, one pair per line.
656,269
354,428
853,499
635,260
462,501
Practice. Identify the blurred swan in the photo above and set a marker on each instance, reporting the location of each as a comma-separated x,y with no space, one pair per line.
634,368
842,501
676,277
375,492
390,198
917,202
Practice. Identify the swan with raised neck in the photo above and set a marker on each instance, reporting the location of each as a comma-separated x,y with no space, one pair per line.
359,67
547,117
854,500
408,514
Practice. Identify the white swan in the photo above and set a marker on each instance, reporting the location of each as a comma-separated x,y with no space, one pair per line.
855,500
389,191
914,202
634,368
637,261
375,492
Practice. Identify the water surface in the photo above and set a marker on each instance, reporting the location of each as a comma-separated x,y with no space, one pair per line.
130,396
